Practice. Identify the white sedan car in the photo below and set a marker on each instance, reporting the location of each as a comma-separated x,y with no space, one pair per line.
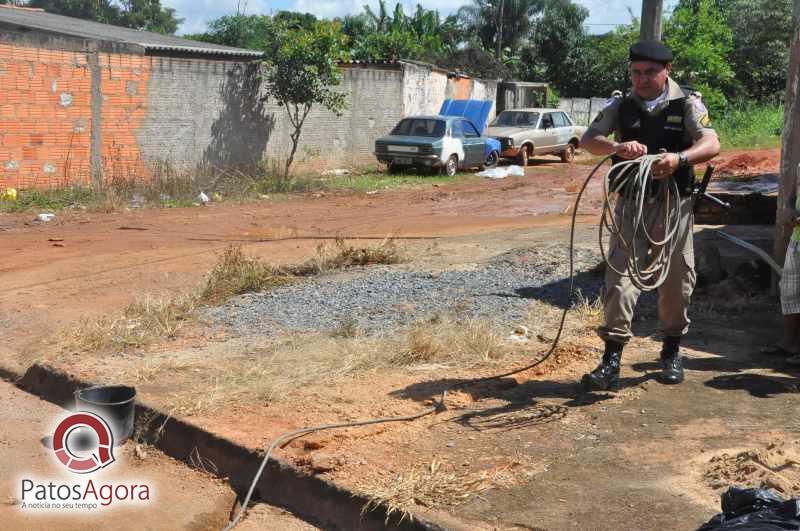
539,131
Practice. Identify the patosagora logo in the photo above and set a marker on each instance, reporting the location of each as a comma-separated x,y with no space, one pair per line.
104,451
83,442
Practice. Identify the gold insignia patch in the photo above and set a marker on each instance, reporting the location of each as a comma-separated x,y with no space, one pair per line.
674,119
705,120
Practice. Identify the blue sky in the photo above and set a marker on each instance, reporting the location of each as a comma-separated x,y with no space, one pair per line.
603,14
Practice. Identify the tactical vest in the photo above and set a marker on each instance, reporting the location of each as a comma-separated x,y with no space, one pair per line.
666,130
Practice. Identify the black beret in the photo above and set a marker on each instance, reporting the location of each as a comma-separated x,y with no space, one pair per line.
650,51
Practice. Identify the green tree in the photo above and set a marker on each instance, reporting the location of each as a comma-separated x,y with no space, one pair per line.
475,61
104,11
390,45
607,57
148,15
380,21
302,71
356,26
293,19
558,48
241,31
761,30
254,32
380,35
701,41
500,24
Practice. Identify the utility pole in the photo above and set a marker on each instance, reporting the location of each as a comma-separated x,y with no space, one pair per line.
790,140
499,51
651,20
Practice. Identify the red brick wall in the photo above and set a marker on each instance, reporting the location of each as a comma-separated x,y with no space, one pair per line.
124,104
462,88
46,116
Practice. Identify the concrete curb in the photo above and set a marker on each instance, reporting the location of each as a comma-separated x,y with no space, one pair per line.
314,499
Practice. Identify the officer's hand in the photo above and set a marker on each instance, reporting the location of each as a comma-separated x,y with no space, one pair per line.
665,165
630,150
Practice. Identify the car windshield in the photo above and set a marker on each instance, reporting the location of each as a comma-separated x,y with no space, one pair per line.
420,127
516,119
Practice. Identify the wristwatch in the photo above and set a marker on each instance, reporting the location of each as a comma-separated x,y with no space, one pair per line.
683,159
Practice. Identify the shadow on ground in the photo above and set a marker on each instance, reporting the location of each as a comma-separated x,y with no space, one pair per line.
758,385
522,407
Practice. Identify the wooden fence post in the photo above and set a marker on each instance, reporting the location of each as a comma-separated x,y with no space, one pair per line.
790,140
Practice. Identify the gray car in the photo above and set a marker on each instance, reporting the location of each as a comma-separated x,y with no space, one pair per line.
538,131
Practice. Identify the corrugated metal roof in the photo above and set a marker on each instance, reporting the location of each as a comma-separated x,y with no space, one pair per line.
369,62
384,62
87,29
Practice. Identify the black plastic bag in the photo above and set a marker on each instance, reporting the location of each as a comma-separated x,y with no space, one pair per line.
755,510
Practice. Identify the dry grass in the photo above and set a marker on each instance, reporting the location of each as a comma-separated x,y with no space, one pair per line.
427,486
160,317
243,373
586,314
422,346
142,322
468,343
257,374
236,273
348,329
268,371
583,318
342,255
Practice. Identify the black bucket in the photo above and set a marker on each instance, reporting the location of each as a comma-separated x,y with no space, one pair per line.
114,403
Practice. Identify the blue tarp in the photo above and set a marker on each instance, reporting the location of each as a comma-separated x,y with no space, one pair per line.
476,111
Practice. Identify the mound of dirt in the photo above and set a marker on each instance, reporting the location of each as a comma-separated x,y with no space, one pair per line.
776,467
565,355
748,163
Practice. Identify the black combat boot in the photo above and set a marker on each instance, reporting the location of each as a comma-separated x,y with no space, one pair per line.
671,361
606,376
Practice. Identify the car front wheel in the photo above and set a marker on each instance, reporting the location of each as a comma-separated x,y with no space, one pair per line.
491,160
522,156
451,166
568,155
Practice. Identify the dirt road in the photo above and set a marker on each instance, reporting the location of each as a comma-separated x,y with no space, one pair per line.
104,261
83,264
650,457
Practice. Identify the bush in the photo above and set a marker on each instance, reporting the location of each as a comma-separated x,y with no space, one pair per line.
749,125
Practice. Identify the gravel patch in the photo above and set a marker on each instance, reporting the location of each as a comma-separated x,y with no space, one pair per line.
380,299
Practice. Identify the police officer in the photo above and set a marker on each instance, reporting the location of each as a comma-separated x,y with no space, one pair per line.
656,116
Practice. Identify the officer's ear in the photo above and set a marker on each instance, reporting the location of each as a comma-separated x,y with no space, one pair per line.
668,68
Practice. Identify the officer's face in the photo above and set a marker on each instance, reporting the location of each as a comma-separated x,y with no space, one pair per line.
649,78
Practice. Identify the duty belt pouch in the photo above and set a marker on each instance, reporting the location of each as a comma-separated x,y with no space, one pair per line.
662,131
